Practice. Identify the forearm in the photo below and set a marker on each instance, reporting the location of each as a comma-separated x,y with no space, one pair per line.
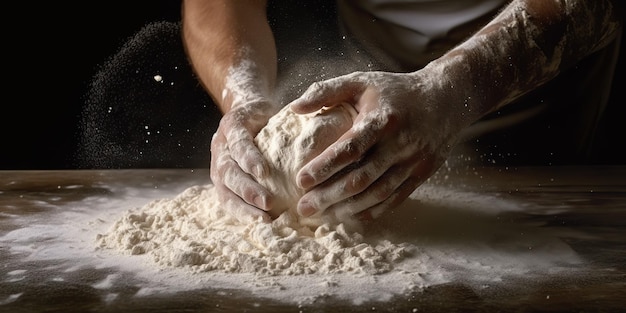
231,48
526,45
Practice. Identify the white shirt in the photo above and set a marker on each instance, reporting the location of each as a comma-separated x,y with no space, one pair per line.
413,32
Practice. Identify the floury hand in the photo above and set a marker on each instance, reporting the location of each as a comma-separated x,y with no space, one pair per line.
237,164
400,136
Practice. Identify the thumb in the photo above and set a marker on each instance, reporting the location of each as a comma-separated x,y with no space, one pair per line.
326,93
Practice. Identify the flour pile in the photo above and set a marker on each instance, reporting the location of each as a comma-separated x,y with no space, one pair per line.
192,229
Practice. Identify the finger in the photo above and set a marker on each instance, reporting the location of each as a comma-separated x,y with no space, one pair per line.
378,192
351,181
394,200
327,93
248,156
247,188
348,149
239,209
226,174
219,155
241,145
373,202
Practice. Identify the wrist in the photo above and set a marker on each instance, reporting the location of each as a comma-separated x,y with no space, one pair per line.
453,91
248,83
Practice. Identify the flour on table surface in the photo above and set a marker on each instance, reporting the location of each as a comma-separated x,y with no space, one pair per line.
192,231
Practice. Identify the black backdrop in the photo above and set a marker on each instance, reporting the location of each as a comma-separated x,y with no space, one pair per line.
53,49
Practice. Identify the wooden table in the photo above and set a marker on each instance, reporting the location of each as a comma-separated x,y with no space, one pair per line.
48,219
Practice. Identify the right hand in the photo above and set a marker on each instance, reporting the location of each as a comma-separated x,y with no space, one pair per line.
237,163
402,133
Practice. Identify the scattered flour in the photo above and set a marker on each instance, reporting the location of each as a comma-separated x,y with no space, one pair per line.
192,230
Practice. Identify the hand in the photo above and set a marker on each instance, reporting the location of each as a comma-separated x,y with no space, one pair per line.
237,164
400,137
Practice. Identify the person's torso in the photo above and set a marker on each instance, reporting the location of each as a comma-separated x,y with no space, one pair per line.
413,32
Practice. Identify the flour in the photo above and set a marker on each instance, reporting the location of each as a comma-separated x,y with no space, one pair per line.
244,83
192,229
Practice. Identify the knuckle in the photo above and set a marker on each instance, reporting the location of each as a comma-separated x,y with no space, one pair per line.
228,119
384,193
315,86
389,183
358,181
350,151
248,194
314,90
229,174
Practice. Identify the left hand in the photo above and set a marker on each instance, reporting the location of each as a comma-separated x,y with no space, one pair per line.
399,138
237,164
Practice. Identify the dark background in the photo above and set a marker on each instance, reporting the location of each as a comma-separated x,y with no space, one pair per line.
53,49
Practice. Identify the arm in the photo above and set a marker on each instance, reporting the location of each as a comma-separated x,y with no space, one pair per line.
232,50
529,43
222,36
408,122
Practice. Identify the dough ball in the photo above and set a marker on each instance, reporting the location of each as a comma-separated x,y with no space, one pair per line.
290,140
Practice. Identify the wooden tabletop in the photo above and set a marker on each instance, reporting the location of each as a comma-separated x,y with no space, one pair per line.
568,218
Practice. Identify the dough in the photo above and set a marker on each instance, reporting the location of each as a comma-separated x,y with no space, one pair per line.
290,140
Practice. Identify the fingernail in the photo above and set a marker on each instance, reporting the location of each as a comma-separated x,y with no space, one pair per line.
306,181
260,202
306,209
259,171
377,212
